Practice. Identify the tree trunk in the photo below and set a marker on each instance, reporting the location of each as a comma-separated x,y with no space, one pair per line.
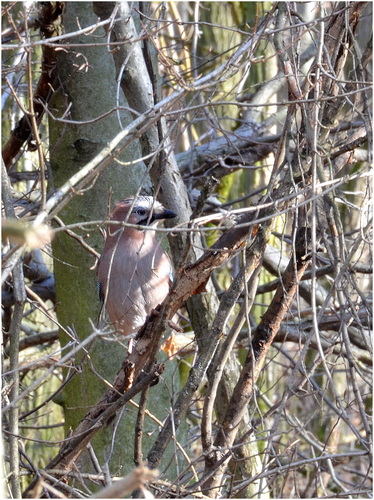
72,146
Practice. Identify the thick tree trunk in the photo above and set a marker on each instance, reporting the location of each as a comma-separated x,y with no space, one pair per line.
72,146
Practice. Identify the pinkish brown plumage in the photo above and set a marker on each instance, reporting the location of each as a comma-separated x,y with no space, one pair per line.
133,271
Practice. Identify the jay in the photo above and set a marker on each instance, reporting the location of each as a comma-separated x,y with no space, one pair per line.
134,273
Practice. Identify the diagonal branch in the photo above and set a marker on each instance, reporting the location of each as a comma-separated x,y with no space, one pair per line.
189,280
49,22
93,422
262,340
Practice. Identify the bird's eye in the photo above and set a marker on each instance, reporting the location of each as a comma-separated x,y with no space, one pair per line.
141,211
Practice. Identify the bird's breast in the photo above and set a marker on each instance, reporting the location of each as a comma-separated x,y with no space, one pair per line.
134,277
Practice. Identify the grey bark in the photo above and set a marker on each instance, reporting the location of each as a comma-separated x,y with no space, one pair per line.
90,95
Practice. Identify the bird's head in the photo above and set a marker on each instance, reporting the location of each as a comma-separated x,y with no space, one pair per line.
144,211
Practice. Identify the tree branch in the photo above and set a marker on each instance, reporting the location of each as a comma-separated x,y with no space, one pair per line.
262,340
14,336
50,24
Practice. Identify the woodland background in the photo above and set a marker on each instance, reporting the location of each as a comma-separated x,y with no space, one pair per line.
253,122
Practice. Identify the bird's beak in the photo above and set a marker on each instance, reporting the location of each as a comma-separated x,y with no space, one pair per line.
164,214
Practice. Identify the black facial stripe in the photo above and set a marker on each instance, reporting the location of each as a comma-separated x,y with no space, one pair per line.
145,222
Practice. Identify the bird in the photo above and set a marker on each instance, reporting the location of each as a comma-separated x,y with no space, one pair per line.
134,273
